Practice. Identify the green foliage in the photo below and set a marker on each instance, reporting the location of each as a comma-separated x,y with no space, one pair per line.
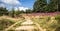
57,29
3,11
53,25
58,21
22,11
43,6
13,12
35,30
46,23
23,30
28,11
53,5
10,30
58,18
49,18
17,13
59,5
39,5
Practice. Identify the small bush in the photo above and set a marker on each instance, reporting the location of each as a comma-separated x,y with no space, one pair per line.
48,18
53,25
58,18
10,30
58,29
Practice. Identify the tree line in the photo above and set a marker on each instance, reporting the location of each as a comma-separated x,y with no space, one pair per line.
13,12
43,6
38,7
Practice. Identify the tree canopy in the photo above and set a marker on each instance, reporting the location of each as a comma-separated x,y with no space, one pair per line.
43,6
3,11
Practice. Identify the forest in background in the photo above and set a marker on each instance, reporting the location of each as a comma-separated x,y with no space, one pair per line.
40,6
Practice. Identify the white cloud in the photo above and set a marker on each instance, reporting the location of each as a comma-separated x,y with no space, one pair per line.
11,2
21,8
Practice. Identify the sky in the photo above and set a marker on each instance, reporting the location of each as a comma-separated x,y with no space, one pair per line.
21,4
48,1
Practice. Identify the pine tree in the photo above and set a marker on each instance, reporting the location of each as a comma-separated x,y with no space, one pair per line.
43,6
13,12
3,11
39,6
58,5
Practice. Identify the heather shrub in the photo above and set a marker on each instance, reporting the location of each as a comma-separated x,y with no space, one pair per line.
48,18
58,21
58,18
11,30
57,29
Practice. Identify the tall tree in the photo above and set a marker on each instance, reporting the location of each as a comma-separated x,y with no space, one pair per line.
58,5
43,6
17,12
53,4
39,5
28,11
3,11
12,12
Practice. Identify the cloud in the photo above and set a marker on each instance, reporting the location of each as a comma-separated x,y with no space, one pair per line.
21,8
11,2
2,5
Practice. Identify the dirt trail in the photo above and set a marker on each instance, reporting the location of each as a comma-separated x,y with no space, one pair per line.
12,26
28,21
40,28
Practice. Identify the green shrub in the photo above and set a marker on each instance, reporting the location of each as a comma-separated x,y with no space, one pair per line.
53,25
48,18
35,30
57,29
10,30
57,18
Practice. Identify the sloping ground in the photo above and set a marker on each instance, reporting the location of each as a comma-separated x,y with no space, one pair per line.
7,17
44,23
29,21
44,26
